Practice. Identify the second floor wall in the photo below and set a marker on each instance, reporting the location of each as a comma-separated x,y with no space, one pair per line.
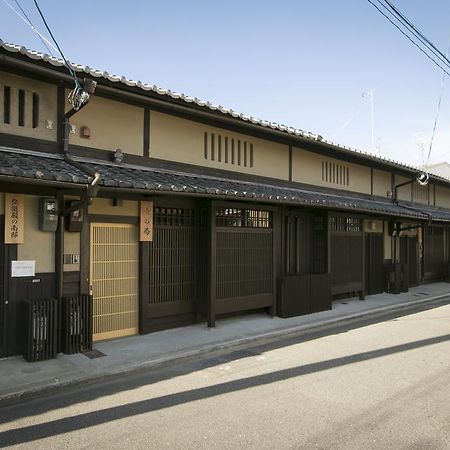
28,108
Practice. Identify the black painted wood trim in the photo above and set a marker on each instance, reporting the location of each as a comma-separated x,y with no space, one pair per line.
146,132
371,181
211,267
60,106
27,143
290,163
85,241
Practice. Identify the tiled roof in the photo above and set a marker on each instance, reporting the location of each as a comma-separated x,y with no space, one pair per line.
50,168
188,100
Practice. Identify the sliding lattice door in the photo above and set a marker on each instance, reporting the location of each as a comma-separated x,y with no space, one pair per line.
114,279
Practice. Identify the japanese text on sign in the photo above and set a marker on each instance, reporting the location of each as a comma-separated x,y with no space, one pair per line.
146,222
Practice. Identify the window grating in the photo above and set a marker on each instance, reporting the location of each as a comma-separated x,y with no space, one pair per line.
35,118
420,192
335,173
173,216
27,114
345,224
228,150
7,104
243,218
21,108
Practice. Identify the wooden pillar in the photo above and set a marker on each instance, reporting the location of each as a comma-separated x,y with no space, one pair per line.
277,257
85,240
59,248
363,263
212,266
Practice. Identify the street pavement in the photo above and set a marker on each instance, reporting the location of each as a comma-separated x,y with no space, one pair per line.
19,378
373,385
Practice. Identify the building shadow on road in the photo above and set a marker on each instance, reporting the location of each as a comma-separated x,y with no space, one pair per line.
91,419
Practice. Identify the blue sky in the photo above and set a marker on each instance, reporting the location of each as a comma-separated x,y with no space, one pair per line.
300,63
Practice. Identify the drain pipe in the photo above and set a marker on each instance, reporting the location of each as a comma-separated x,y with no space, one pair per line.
90,193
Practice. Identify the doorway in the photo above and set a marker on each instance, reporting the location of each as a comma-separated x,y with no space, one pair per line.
114,272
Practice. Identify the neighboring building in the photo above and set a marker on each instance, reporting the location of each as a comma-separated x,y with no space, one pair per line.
442,169
247,214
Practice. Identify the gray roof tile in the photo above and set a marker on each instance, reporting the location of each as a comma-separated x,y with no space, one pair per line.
43,167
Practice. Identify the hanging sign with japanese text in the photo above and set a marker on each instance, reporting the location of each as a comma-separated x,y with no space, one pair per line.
14,219
146,222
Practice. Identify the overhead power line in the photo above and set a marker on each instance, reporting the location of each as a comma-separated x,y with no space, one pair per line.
444,66
72,72
78,96
27,20
416,32
437,113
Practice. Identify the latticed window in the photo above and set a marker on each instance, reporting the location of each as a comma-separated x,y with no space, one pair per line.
345,224
173,216
244,218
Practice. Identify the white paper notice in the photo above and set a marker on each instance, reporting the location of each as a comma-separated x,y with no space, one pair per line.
23,268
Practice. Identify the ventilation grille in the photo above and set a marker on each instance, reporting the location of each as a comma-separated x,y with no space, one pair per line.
345,224
420,193
228,150
335,173
243,218
20,107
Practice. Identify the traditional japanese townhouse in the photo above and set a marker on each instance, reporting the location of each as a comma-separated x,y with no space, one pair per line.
170,210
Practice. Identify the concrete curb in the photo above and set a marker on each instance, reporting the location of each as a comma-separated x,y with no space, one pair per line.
259,339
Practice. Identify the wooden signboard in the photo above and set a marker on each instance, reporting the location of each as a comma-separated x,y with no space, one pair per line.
14,218
146,222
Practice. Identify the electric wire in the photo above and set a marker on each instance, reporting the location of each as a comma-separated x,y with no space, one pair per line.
410,39
72,72
401,17
78,96
27,20
437,113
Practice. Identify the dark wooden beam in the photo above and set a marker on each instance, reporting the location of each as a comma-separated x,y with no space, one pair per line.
211,266
85,240
146,132
290,163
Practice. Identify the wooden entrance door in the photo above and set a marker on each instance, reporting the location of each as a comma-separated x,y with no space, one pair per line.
374,260
114,279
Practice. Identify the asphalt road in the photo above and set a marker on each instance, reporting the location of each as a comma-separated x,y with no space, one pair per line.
383,385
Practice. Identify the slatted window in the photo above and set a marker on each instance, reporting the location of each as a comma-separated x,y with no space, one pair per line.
26,113
173,216
7,104
420,193
21,108
35,113
335,173
345,224
228,150
244,218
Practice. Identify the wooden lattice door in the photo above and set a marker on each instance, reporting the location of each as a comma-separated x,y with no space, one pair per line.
114,279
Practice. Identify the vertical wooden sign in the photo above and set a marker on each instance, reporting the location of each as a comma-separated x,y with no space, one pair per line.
146,222
14,218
